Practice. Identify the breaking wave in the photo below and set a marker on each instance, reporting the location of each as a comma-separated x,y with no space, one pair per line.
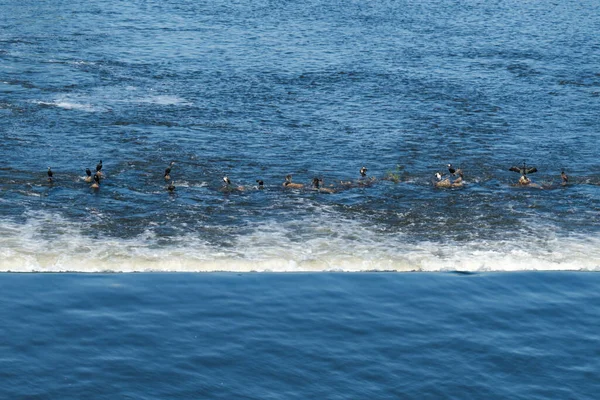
49,243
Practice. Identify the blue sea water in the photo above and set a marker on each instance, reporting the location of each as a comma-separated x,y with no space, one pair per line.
528,335
261,89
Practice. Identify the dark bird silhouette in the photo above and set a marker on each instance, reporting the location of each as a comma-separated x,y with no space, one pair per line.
99,168
317,184
261,184
455,171
168,171
564,177
88,174
226,180
50,174
363,171
171,187
96,183
523,170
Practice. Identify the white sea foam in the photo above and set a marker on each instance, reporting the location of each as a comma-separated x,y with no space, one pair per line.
68,104
278,247
73,62
181,183
165,100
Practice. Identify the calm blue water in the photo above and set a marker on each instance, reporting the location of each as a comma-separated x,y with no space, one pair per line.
300,336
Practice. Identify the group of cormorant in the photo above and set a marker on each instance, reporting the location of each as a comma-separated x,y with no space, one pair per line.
454,180
524,179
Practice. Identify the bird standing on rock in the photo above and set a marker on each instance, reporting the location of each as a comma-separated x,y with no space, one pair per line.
523,170
564,177
168,171
96,183
171,187
288,183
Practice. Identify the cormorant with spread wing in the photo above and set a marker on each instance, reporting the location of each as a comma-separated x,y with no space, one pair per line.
523,170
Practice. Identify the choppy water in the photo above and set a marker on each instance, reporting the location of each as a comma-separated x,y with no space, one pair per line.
261,89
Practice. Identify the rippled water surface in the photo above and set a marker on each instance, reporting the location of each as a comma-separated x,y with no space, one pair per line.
298,336
257,90
262,89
